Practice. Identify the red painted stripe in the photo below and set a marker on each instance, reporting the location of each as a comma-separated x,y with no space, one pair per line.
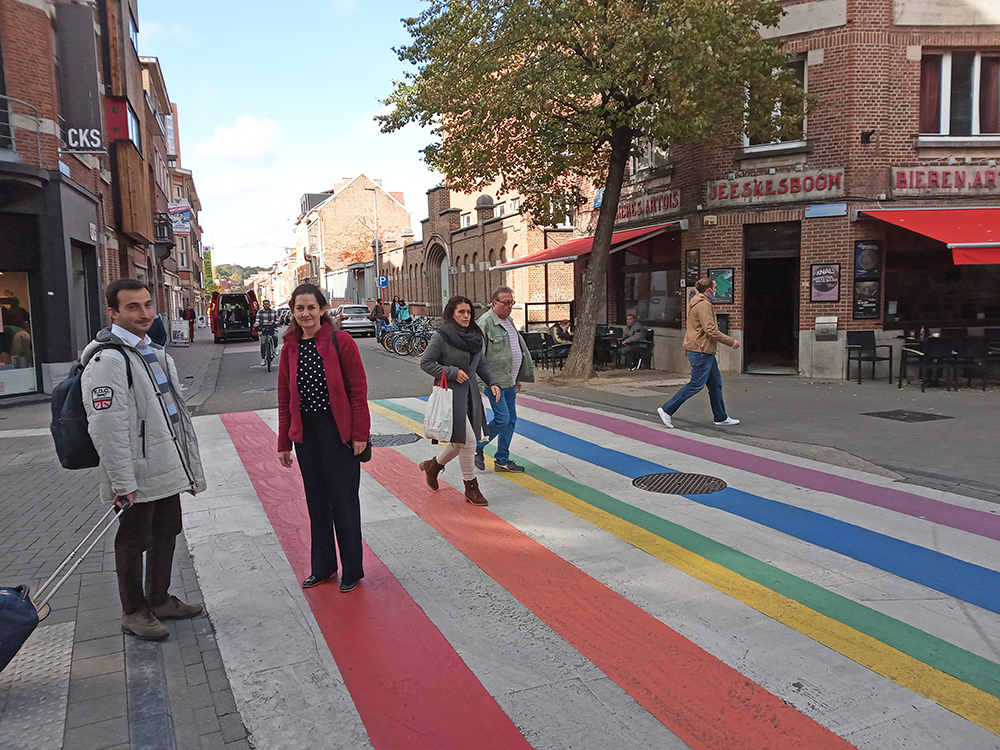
703,701
410,687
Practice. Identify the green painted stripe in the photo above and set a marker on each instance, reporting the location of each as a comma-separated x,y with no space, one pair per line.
929,649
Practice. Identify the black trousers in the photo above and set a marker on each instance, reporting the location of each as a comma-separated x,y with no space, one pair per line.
332,476
151,528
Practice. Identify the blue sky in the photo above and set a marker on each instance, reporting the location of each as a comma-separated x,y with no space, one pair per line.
276,100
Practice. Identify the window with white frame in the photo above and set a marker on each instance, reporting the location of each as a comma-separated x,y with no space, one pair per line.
500,210
466,220
960,93
515,205
133,32
134,128
182,246
651,156
795,133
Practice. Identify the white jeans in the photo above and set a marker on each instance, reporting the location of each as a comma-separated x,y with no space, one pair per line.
466,453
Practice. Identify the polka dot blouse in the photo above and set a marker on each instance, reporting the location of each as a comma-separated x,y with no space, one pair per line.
310,378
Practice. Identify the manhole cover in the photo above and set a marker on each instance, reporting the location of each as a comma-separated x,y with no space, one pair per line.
384,441
261,390
678,483
902,415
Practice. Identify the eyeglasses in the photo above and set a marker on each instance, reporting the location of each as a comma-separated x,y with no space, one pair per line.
508,303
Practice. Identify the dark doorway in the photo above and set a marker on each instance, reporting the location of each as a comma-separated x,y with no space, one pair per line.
771,298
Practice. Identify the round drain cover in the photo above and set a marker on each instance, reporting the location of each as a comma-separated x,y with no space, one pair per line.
384,441
677,483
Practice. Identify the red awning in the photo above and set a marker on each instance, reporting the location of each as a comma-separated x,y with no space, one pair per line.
972,234
574,249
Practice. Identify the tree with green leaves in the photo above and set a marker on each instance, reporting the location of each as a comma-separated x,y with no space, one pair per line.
554,95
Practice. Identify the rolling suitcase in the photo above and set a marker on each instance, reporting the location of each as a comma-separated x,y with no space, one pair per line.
20,615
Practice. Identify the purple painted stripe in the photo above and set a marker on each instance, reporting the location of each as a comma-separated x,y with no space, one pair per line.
964,519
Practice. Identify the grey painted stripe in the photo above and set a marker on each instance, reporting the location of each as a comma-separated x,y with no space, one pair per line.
150,726
41,432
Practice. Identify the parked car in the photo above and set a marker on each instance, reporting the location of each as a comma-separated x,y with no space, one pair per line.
284,316
232,316
356,319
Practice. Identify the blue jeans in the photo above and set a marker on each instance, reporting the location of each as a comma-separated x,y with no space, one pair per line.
502,425
704,371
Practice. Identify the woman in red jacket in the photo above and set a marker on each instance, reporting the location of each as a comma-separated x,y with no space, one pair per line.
323,411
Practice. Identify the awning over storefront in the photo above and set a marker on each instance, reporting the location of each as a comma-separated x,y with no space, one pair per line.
972,234
574,249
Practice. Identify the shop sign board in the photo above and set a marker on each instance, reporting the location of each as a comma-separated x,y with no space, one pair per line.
79,84
944,180
652,205
783,187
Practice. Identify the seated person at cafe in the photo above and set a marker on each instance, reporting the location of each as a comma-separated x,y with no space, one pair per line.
633,342
562,335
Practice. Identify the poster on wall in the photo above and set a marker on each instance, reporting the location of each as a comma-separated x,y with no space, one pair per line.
824,282
692,267
867,260
867,296
724,286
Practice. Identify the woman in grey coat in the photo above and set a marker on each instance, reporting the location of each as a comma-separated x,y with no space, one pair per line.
457,349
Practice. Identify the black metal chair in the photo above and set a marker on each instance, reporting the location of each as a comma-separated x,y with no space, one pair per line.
933,359
861,347
538,347
972,356
557,352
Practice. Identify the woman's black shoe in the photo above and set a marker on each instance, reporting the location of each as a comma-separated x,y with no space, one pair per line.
345,586
314,580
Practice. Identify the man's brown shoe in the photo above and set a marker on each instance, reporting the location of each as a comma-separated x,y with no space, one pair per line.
431,468
144,625
174,609
472,493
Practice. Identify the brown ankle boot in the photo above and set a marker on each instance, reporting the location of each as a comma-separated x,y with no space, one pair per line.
472,493
431,468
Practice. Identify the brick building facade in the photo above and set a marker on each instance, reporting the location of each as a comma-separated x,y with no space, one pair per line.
83,159
463,239
906,117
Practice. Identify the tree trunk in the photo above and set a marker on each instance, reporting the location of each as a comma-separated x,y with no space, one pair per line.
580,363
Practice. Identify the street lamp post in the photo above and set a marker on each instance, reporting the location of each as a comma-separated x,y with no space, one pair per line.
376,245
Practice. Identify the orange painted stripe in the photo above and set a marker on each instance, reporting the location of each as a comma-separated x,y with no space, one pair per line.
706,703
411,689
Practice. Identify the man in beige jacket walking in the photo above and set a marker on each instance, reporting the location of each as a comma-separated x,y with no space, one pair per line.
700,342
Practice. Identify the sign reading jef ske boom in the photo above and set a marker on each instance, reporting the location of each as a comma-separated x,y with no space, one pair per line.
783,187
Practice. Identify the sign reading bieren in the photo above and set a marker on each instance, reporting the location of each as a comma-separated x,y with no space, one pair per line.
79,88
783,187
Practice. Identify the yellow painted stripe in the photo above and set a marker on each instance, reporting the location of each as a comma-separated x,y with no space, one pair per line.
957,696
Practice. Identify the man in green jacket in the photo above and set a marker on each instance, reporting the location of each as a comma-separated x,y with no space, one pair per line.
508,358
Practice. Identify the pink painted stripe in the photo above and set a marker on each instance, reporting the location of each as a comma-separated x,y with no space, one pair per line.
411,688
954,516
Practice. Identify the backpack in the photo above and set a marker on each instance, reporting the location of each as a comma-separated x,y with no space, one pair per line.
69,418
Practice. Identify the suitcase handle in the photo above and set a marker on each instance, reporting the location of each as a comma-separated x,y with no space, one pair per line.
46,592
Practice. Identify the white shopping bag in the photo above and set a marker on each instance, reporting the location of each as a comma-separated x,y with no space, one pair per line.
438,417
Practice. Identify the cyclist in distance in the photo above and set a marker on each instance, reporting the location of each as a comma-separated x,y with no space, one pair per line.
267,326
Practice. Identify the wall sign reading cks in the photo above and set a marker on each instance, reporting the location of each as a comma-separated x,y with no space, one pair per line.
783,187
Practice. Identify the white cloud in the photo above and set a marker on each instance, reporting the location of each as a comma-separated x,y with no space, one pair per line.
247,138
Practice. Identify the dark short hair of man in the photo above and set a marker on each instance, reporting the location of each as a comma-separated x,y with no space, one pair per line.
501,290
111,293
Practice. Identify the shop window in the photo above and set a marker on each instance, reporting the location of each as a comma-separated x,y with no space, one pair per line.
791,134
17,362
651,276
960,93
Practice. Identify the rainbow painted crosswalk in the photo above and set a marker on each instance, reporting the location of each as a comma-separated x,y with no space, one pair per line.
804,606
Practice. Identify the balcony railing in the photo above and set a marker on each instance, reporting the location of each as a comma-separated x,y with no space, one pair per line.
13,148
163,229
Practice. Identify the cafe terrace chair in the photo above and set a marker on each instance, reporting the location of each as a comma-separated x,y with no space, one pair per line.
557,352
861,347
538,347
972,356
934,358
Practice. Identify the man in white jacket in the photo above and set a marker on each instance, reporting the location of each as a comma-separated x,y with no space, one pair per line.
143,434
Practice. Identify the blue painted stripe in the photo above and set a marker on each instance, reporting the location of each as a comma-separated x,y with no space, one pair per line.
963,580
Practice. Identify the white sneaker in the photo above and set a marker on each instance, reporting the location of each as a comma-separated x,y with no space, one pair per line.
263,363
729,421
667,422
